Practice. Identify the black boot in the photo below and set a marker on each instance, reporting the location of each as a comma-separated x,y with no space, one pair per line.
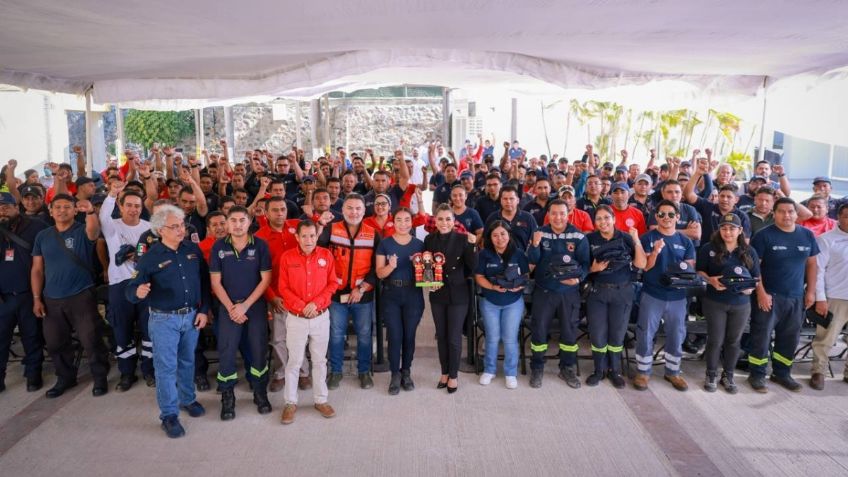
406,380
710,385
228,405
260,395
34,382
394,385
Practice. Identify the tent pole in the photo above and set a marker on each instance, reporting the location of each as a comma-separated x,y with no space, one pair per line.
327,143
760,153
314,117
513,126
201,133
445,116
297,121
89,158
229,133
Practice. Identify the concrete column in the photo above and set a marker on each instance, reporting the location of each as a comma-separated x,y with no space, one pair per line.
200,143
446,111
513,127
229,131
95,142
314,120
119,132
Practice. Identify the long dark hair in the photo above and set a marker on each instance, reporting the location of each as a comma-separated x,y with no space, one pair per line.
743,250
510,246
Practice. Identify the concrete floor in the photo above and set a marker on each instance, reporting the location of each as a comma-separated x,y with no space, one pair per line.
479,430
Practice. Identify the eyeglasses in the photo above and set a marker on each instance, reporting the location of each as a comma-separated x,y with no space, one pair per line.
663,215
381,204
174,227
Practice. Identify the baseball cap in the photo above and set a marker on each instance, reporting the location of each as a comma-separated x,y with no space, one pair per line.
644,177
81,181
608,165
730,219
466,174
98,199
621,169
566,190
307,179
620,186
685,164
761,179
32,190
7,199
821,179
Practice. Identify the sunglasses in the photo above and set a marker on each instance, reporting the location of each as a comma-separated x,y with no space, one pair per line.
663,215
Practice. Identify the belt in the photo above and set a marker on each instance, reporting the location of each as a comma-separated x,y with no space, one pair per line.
398,283
307,317
613,286
179,311
16,293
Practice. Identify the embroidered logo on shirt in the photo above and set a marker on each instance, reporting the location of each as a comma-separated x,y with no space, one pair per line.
69,243
322,262
737,270
684,266
566,258
291,230
251,252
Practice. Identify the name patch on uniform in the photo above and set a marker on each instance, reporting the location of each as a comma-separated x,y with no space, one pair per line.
224,253
803,248
165,263
191,256
779,247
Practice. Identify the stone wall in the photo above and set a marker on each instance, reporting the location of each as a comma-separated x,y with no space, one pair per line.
377,123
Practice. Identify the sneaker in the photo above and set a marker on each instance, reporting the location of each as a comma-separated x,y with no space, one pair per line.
333,380
288,414
594,379
617,380
172,427
727,383
677,381
787,382
758,383
536,378
640,382
194,409
365,381
710,385
326,410
569,375
486,379
511,382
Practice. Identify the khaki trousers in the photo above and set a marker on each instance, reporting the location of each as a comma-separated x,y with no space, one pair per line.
316,333
825,338
279,353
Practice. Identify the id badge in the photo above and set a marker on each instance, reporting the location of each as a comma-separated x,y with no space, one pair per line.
10,255
344,298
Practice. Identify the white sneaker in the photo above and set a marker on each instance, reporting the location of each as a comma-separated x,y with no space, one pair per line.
486,378
511,382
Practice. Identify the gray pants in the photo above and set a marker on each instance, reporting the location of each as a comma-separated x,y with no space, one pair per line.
725,324
279,353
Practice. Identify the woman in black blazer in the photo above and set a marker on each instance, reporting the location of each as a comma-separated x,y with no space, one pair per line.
449,302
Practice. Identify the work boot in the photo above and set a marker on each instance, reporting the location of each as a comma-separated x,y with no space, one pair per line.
677,381
277,384
710,385
787,382
304,383
101,387
536,378
333,381
126,382
817,381
365,381
34,383
406,380
260,398
59,388
758,383
569,375
595,378
640,382
727,382
394,384
172,427
228,405
288,413
201,383
616,379
150,380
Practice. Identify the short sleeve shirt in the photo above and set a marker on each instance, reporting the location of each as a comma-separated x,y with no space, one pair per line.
404,270
240,269
784,257
677,249
490,265
63,277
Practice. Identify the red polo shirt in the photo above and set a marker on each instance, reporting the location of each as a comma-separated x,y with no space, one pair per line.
278,242
307,278
579,219
630,217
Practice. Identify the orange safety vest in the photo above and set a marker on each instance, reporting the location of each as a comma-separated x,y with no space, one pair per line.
353,255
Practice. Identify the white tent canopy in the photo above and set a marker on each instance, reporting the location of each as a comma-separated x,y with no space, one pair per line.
209,52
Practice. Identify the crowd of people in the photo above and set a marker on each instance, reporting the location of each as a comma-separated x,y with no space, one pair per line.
277,251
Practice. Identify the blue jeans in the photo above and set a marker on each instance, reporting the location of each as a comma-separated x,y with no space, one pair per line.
653,311
402,308
501,324
362,313
174,339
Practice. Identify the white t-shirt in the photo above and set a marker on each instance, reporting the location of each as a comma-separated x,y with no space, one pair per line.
117,233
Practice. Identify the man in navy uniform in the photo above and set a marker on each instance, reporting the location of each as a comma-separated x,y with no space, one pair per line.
17,234
240,265
61,268
552,245
174,278
787,262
